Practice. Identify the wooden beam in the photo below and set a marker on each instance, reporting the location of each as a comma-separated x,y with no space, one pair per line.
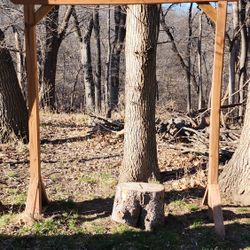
36,191
208,10
41,12
106,2
213,194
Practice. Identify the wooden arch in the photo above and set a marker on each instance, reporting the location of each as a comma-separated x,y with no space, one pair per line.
36,192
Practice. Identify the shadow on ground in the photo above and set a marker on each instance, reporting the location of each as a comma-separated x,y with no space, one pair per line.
172,236
191,230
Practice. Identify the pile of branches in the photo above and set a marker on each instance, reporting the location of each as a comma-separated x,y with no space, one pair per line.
189,134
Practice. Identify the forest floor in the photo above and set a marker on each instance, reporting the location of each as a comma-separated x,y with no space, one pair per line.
80,174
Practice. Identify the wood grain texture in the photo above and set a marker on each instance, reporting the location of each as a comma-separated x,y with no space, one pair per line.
139,204
214,203
35,191
214,200
208,10
42,12
216,92
105,2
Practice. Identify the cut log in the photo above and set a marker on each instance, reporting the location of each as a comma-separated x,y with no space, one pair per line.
139,204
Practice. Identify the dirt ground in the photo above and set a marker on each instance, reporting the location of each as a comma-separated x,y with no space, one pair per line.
80,174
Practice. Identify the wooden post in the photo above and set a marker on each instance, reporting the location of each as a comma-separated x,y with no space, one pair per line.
36,191
213,193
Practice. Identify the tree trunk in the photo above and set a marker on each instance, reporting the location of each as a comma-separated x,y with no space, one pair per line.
87,68
190,31
13,110
55,34
234,179
98,71
19,59
117,46
243,54
51,51
139,204
140,152
107,85
234,49
199,59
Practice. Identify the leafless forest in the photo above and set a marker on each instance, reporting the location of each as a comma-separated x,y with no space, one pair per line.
85,63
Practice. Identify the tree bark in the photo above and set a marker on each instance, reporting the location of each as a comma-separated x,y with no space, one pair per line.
86,60
87,68
243,54
98,71
139,204
55,34
140,152
107,85
13,110
199,59
234,50
117,46
188,72
234,180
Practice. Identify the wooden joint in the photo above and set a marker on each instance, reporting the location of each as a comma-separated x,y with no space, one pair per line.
42,12
208,10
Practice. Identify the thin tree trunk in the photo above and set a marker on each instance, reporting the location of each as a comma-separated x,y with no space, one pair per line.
98,71
117,46
234,48
13,110
107,84
87,68
200,89
243,55
140,153
183,62
55,34
85,50
189,97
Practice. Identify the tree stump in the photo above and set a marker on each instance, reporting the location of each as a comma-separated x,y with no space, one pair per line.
139,204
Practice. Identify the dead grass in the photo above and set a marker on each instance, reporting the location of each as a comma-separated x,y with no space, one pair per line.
80,174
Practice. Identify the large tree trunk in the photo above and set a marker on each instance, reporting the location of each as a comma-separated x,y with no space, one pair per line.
117,46
13,110
234,179
140,153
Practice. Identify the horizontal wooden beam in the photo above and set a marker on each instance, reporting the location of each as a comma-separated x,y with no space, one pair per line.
106,2
208,10
41,12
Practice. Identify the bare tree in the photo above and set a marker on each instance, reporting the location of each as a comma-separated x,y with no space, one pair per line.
199,59
13,110
55,34
98,70
185,62
190,31
243,54
140,153
85,43
117,46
